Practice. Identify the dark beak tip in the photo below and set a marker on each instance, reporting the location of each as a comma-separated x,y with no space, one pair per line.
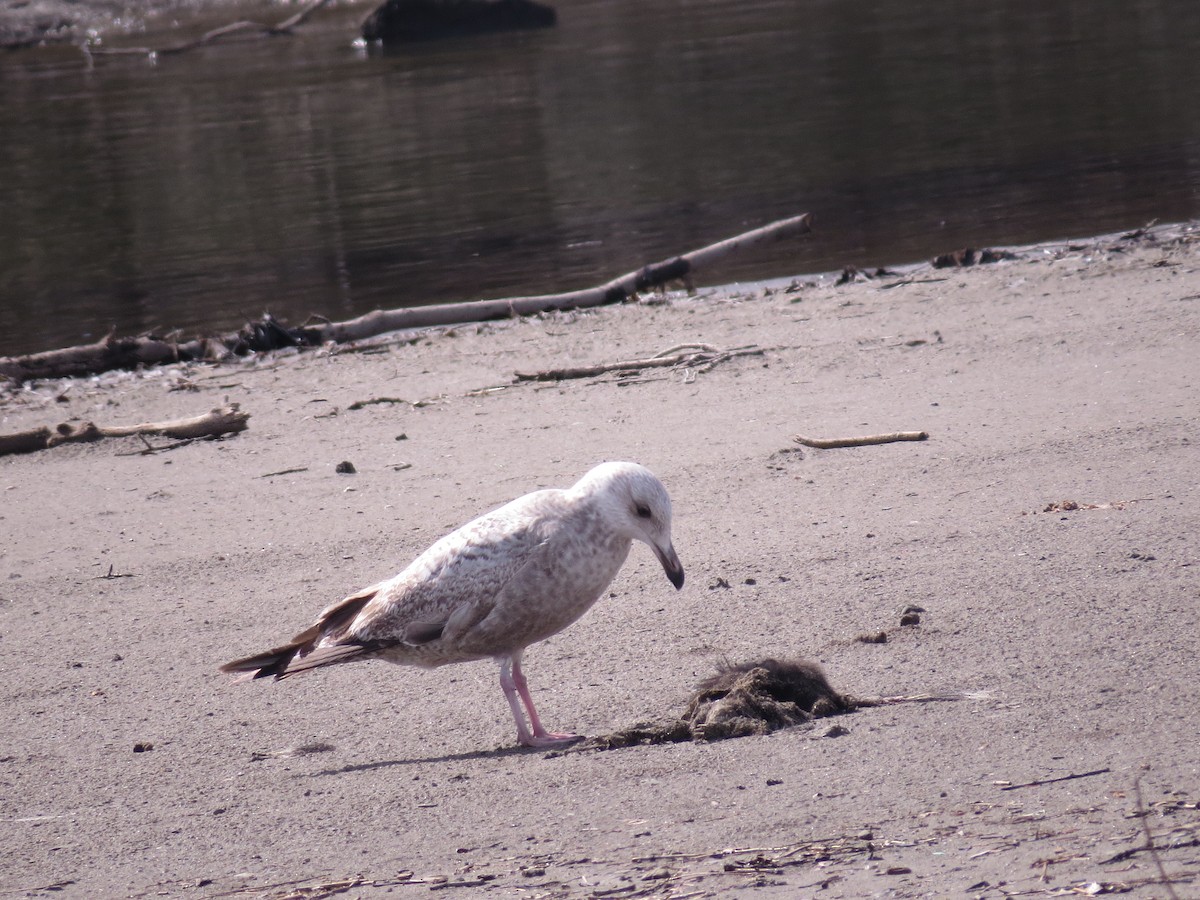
671,565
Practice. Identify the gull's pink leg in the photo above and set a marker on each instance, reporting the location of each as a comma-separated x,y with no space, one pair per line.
508,685
512,680
551,737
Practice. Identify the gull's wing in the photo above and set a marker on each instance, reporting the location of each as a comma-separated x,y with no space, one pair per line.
442,593
454,584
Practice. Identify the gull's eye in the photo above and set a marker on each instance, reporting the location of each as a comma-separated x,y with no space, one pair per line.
642,510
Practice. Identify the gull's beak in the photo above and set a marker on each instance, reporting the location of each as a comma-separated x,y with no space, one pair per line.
671,564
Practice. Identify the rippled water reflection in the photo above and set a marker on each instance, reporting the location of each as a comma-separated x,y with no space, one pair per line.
306,175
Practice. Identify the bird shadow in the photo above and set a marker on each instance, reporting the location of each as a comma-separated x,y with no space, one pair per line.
498,753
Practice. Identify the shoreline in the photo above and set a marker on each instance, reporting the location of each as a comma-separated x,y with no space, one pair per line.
1047,530
961,258
52,23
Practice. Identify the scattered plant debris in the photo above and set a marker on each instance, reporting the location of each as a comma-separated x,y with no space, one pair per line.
753,698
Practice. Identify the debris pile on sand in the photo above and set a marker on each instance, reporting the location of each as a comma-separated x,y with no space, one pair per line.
739,700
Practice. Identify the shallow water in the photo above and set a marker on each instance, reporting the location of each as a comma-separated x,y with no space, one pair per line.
307,175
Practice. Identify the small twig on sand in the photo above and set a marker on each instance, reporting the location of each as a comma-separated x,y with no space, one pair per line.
1041,781
317,889
285,472
479,881
945,697
1073,505
702,356
1150,845
671,351
830,443
112,574
150,448
162,449
360,404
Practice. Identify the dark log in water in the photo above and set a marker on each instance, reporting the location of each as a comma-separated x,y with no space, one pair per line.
401,21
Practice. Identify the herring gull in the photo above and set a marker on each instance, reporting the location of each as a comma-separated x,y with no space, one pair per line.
501,582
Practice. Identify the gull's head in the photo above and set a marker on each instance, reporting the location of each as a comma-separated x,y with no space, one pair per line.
635,503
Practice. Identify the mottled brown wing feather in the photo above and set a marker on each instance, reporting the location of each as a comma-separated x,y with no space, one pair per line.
328,656
423,632
455,582
282,660
335,619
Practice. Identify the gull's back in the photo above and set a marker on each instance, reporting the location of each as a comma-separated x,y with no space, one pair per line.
503,581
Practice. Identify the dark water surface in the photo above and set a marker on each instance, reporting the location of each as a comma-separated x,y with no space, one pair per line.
306,175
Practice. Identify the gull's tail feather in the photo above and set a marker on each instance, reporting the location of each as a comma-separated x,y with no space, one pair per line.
291,659
303,652
263,665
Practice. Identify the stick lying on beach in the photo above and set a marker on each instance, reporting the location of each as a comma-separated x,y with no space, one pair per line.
702,356
223,420
120,353
831,443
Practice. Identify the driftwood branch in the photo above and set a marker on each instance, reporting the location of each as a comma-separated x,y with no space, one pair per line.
255,29
616,291
299,18
223,420
106,354
830,443
128,353
702,356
